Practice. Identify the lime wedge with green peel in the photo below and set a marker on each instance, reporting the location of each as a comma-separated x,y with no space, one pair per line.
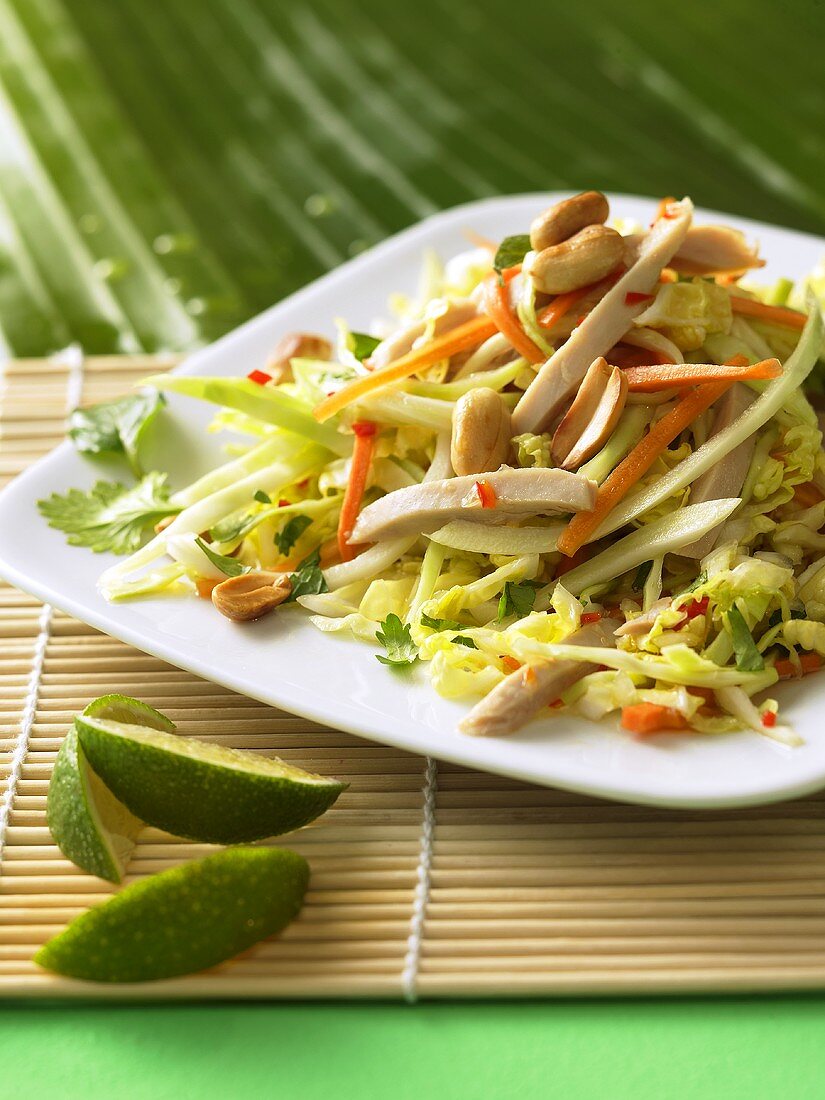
122,708
182,920
89,825
199,790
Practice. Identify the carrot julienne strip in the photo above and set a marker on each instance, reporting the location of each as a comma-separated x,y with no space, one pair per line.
553,312
497,305
647,718
638,462
648,379
808,662
461,338
779,315
362,453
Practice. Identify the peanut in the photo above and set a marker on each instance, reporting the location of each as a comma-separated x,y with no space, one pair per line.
481,432
583,259
558,223
251,595
296,345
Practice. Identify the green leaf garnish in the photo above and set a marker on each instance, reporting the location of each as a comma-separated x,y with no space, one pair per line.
109,516
441,624
511,251
700,580
462,639
397,641
797,611
308,579
262,497
642,573
116,427
361,345
748,657
516,599
230,566
289,534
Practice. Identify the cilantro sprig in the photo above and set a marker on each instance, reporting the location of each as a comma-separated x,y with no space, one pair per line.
308,579
517,599
748,657
230,566
109,516
511,251
116,427
361,345
395,637
291,531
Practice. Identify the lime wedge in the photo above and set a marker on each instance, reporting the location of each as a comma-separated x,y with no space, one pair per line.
199,790
89,825
182,920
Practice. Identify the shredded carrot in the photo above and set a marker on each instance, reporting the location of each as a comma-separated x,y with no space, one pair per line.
638,462
486,494
461,338
497,305
779,315
529,675
330,553
661,209
205,585
646,718
808,662
510,663
552,313
666,376
362,453
566,564
808,495
480,241
668,275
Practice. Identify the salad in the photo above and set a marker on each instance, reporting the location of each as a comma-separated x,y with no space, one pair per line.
580,472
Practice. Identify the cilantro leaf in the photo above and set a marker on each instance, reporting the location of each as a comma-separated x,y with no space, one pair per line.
308,579
231,566
642,573
262,497
361,345
116,427
441,624
516,599
462,639
109,516
291,531
239,524
748,657
797,612
511,251
397,641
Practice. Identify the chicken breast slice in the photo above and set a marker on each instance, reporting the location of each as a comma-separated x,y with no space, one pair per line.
518,698
419,509
727,477
603,327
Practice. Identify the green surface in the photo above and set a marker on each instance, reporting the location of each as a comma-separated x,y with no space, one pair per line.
683,1050
169,167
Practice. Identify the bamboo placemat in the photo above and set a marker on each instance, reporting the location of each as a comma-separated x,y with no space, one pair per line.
427,880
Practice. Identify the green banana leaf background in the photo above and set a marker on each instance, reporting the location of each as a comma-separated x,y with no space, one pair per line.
169,168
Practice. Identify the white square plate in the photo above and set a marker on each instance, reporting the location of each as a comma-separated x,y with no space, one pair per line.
284,661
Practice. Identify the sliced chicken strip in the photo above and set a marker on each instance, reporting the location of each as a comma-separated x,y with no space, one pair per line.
419,509
458,312
603,327
512,703
642,623
709,249
727,477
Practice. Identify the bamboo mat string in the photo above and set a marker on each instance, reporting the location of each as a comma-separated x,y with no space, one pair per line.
409,975
21,746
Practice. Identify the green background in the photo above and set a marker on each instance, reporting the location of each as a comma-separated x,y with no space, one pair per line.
171,167
623,1050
